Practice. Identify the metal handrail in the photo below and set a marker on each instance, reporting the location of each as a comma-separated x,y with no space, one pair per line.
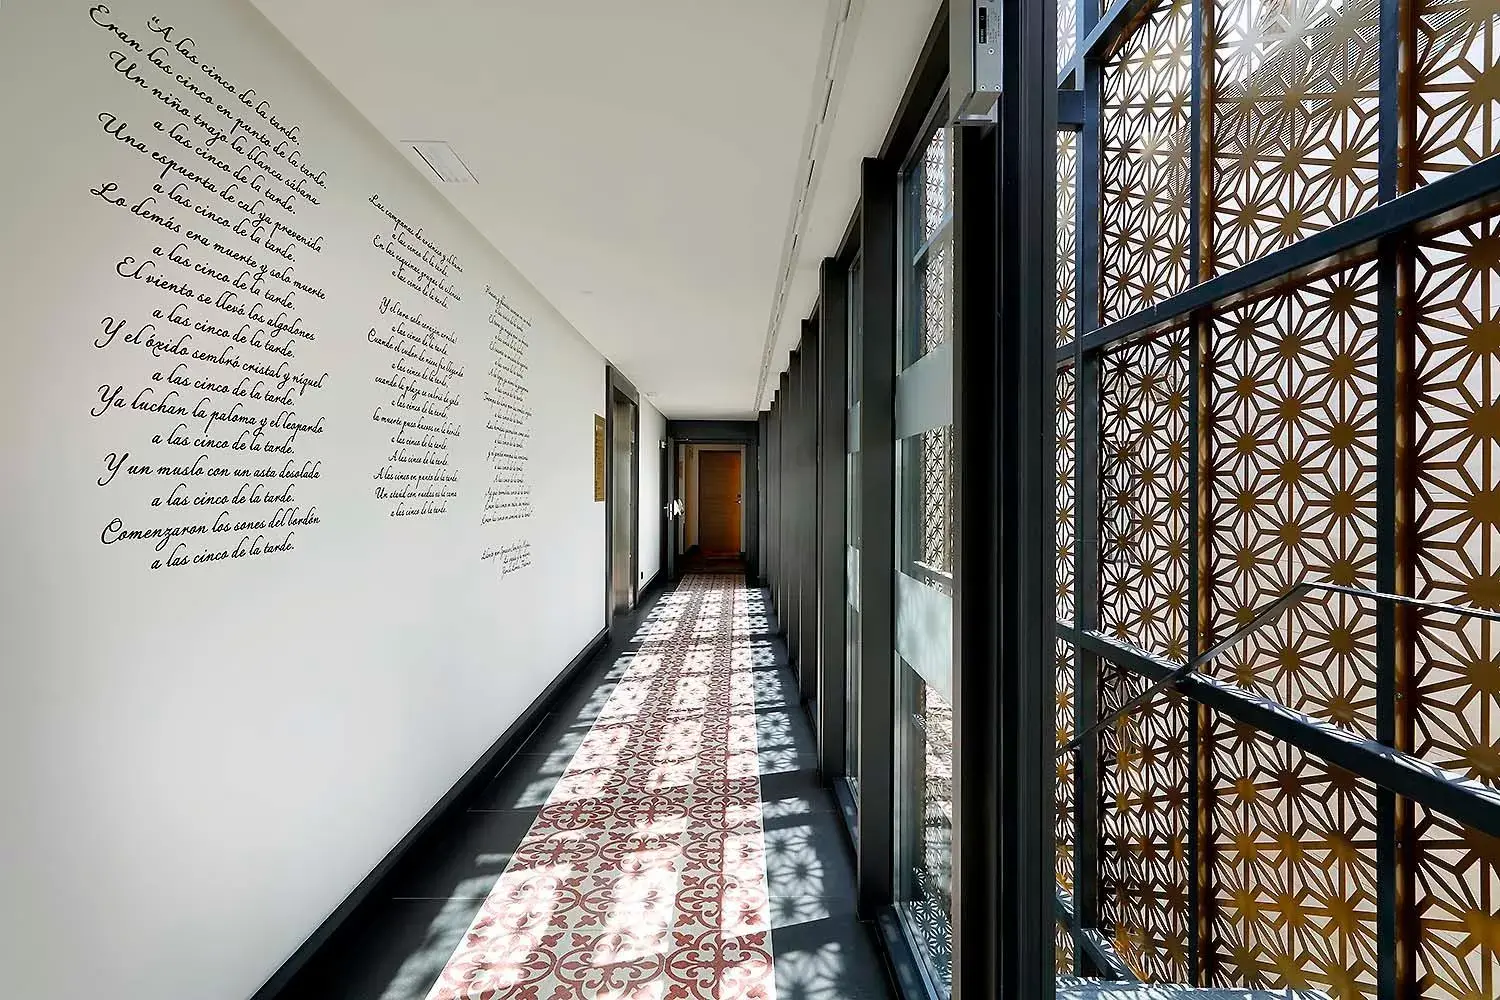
1261,617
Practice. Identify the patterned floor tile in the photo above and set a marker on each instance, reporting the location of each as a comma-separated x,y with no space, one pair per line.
643,876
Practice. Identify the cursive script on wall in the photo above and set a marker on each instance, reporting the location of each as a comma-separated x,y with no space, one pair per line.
217,422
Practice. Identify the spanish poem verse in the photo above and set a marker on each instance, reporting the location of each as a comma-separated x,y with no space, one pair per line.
225,424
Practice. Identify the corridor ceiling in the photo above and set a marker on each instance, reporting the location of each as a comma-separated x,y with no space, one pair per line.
641,163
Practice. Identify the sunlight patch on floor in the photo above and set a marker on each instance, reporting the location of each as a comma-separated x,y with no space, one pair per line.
644,874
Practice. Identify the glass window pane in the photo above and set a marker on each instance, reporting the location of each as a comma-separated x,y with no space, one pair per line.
851,695
928,469
927,248
852,526
925,819
935,183
931,300
924,526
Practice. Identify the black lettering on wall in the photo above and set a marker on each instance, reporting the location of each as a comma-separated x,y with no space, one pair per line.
508,495
218,431
421,375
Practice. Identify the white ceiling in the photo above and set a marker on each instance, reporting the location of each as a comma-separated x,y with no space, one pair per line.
643,163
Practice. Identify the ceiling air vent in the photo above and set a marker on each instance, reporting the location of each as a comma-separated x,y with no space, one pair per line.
443,162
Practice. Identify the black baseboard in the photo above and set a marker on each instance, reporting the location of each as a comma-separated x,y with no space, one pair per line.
455,800
848,809
643,597
657,580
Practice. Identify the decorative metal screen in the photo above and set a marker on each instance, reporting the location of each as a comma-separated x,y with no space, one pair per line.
1066,659
1067,241
1332,418
1067,31
1066,470
1456,660
1456,107
1145,132
935,498
1144,873
1293,869
1143,460
1295,120
1066,797
1064,947
1457,901
1292,411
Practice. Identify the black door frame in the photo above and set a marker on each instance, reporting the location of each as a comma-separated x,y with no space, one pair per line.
617,389
738,432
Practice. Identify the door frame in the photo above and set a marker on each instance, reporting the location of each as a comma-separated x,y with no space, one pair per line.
619,389
741,432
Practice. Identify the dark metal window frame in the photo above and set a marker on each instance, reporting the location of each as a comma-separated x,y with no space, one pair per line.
843,277
784,567
807,514
914,254
1005,358
832,531
874,229
1003,353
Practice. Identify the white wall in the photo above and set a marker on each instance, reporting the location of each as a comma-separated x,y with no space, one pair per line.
197,763
651,456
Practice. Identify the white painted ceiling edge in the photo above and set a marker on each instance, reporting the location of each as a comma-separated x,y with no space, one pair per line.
887,40
661,171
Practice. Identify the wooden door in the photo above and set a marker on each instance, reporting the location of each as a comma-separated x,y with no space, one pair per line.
719,503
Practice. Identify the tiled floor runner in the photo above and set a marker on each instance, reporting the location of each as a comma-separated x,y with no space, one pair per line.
643,877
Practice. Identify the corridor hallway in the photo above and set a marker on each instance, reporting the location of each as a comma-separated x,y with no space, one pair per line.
663,835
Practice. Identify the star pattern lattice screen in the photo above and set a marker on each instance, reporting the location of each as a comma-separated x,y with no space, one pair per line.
1455,663
1144,132
1340,425
1067,234
935,483
1295,121
1291,466
1143,473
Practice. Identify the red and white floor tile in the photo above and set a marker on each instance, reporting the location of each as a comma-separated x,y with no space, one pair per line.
644,875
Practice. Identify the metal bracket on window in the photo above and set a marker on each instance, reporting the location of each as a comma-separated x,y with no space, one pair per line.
974,61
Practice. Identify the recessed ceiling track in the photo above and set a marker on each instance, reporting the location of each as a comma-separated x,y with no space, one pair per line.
838,35
441,159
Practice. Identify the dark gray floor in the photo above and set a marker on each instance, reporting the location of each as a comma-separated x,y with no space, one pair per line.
398,946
